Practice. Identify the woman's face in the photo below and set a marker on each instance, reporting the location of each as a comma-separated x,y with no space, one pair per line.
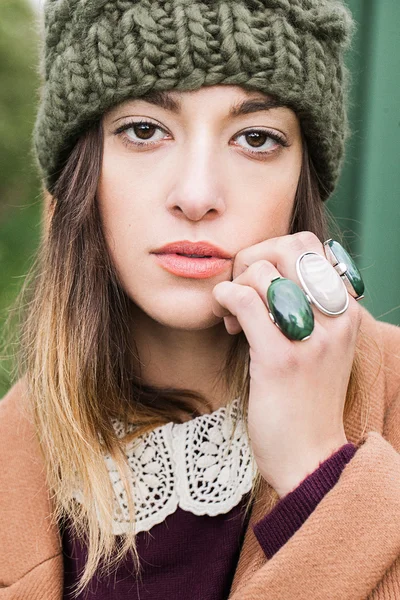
193,172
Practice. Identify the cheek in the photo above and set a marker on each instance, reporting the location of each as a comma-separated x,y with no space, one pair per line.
270,197
126,222
118,202
116,218
283,187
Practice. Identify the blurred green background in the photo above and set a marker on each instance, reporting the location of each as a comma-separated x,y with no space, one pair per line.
366,204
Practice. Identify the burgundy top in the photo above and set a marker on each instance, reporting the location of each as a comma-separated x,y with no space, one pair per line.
173,550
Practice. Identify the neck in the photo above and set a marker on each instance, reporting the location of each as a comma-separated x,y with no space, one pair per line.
189,359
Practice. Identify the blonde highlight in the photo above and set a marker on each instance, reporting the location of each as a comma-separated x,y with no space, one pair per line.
77,357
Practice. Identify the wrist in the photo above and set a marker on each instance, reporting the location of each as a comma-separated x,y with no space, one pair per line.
288,485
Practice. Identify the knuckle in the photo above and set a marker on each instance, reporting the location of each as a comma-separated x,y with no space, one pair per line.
240,255
347,328
354,311
263,267
246,296
322,344
289,361
260,270
240,261
295,244
243,259
308,239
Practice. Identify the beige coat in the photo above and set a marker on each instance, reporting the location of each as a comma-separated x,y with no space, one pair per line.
348,549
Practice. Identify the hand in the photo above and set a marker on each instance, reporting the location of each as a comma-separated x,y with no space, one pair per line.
297,389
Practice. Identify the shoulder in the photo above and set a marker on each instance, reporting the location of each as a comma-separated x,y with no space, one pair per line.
18,442
14,414
379,343
391,372
389,341
390,335
26,540
16,391
16,423
18,446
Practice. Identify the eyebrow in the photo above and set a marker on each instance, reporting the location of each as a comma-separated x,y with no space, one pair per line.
166,101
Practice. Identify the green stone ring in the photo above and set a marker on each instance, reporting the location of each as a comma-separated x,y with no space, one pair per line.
346,267
289,309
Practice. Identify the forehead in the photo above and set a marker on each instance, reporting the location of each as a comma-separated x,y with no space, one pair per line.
235,101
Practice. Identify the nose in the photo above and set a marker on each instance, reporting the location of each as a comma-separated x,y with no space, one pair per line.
197,190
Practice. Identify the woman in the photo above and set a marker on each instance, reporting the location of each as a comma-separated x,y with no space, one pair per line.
224,423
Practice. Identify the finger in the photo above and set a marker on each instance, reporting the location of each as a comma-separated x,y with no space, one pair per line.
342,327
341,330
245,304
282,252
259,276
232,325
346,325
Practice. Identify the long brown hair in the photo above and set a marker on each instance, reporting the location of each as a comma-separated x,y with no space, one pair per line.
77,355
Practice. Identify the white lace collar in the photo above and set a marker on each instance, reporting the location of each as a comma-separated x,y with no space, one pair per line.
193,465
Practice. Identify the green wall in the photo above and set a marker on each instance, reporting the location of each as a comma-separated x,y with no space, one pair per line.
367,202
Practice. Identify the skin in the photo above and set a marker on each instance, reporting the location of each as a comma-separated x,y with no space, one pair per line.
199,181
193,184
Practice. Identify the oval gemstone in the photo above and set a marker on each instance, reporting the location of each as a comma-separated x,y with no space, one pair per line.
290,308
322,282
352,273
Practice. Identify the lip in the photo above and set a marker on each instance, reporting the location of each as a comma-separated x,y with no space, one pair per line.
195,268
187,247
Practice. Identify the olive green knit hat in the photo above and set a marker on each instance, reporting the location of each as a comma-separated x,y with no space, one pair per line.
97,53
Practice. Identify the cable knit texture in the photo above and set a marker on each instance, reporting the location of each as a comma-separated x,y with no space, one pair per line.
348,548
276,528
98,53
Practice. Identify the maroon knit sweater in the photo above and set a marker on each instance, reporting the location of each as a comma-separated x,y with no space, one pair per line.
185,543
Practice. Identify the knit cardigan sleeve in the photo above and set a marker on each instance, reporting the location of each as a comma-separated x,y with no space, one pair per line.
276,528
349,546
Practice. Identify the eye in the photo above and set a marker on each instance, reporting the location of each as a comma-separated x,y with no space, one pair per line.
139,133
268,141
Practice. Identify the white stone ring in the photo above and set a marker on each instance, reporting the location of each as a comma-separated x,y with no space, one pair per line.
322,284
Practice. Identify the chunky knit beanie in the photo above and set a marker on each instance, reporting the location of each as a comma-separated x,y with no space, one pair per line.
97,53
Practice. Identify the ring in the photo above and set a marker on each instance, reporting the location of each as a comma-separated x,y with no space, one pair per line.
289,309
346,267
322,284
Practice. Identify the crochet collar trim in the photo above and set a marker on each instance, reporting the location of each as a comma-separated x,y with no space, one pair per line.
193,465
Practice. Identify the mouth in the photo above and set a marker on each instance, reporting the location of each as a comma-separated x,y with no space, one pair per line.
195,250
192,255
194,267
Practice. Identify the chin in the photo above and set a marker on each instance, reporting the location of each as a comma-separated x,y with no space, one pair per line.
176,310
185,319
